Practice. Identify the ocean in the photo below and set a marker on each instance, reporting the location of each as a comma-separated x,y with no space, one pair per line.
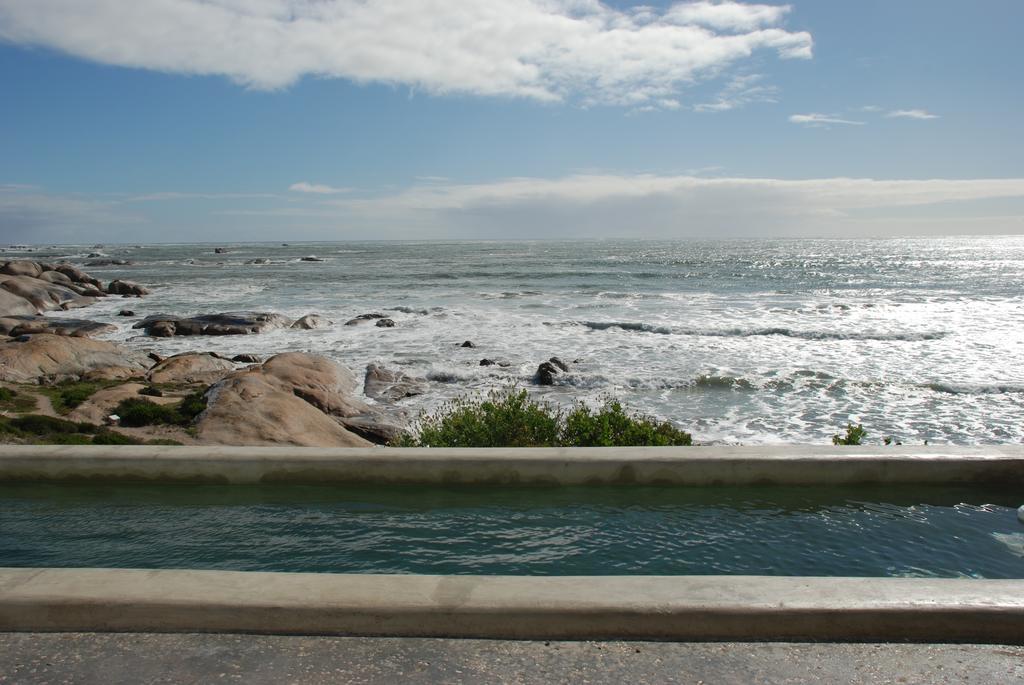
751,342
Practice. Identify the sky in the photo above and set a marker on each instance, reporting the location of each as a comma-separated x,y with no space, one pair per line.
246,120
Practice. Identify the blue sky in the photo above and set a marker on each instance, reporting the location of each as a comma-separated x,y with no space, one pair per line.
167,120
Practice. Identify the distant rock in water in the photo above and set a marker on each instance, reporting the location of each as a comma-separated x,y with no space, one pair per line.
487,362
363,318
226,323
549,370
310,322
127,288
468,343
390,386
311,258
220,250
28,325
110,262
258,260
126,312
385,323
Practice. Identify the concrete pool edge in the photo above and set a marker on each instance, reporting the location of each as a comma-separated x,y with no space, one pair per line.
748,608
697,466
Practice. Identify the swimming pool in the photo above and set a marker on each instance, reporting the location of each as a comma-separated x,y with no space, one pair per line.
922,531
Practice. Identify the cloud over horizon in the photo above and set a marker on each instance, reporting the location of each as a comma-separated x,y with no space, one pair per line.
548,50
575,206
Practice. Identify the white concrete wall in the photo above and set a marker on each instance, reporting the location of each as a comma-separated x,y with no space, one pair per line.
629,607
789,465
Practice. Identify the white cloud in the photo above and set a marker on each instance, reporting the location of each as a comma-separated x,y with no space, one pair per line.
816,119
543,49
581,205
911,114
316,188
730,16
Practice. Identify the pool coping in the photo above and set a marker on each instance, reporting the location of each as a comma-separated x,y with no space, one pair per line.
694,466
746,608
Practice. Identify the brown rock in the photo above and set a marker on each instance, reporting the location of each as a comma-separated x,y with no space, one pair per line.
27,325
192,368
78,276
44,296
310,322
119,287
15,305
56,277
250,408
21,267
48,358
390,386
328,386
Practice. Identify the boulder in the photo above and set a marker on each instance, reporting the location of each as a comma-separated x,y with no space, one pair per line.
468,343
310,322
247,359
253,408
119,287
220,250
126,312
311,258
385,323
56,277
78,276
15,305
190,368
328,386
487,362
549,370
226,323
43,295
390,386
27,325
50,358
21,267
376,428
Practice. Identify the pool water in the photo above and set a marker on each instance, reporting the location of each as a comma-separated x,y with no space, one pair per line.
866,531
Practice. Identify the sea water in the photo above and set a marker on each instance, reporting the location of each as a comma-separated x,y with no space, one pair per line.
753,342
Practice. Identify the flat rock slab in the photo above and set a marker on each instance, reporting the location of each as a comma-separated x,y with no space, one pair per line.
225,323
46,358
91,658
26,325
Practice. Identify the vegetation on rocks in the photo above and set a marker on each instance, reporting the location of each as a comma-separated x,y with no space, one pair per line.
14,401
36,429
67,395
512,419
136,411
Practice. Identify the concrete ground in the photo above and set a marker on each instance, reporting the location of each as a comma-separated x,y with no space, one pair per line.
194,658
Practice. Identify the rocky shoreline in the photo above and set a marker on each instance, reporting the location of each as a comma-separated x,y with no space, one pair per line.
291,398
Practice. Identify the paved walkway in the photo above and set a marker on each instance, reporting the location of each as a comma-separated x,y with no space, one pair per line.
110,659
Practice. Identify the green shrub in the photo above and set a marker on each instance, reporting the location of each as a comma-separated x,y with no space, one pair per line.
63,439
114,438
36,424
163,441
508,419
612,426
512,419
854,435
136,411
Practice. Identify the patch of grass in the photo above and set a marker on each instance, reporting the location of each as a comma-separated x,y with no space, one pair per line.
512,419
66,396
854,435
136,411
14,401
36,424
